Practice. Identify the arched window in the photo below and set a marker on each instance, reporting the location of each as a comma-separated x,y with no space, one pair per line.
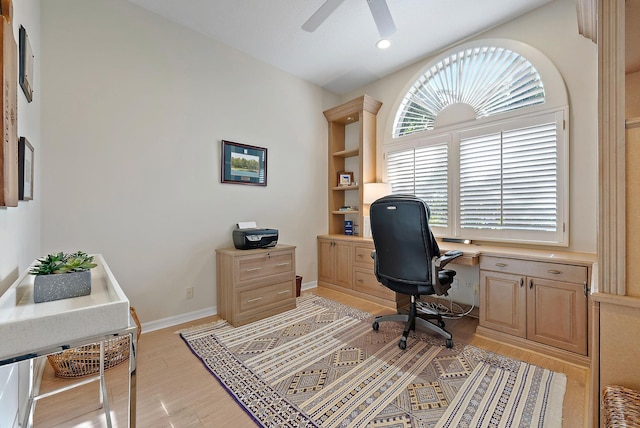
488,79
481,136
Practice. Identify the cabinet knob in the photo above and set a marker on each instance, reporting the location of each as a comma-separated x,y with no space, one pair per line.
521,281
530,283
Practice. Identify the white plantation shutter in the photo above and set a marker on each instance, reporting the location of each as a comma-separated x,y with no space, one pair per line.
484,141
480,182
401,172
508,180
422,172
530,176
490,79
432,181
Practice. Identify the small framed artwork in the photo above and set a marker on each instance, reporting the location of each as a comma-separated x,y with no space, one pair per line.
25,170
345,178
243,164
25,64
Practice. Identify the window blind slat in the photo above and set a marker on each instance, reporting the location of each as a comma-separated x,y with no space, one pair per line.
422,172
514,188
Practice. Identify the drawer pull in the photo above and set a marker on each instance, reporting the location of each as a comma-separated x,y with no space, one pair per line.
502,264
254,300
252,269
555,272
283,292
282,264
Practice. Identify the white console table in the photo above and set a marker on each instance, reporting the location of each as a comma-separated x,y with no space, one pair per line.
31,330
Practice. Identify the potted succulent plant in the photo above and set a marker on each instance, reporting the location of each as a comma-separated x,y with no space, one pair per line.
61,276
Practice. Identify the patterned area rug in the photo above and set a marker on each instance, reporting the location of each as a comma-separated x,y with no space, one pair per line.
322,365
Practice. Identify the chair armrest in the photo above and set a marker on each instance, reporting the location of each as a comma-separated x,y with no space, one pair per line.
437,263
447,257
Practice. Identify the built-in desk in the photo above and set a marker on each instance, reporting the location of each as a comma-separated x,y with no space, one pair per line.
30,331
528,297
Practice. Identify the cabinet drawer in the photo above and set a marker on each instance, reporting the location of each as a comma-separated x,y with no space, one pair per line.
365,281
545,270
362,255
262,265
262,297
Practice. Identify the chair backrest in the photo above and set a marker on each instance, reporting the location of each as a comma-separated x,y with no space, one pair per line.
403,241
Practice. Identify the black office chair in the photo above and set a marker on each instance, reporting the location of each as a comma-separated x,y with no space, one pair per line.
407,260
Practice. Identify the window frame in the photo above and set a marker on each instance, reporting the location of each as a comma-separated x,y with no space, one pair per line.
556,99
453,134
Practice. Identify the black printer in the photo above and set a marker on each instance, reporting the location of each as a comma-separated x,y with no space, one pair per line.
249,239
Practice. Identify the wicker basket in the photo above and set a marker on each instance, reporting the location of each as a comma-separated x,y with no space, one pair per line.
621,407
85,360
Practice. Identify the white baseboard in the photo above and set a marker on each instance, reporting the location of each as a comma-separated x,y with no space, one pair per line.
192,316
309,285
178,319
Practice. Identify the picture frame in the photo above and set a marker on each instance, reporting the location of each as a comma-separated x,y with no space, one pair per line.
26,59
345,178
243,164
25,169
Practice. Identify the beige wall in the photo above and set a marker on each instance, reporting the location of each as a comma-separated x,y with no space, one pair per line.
133,113
576,59
20,226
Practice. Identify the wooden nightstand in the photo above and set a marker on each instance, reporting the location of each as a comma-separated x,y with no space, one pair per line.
255,284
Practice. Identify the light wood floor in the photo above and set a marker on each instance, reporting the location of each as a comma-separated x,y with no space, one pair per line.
175,390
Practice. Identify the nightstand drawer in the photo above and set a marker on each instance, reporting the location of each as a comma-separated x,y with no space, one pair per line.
264,265
262,297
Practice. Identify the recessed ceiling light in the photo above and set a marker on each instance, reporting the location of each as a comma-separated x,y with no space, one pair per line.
383,44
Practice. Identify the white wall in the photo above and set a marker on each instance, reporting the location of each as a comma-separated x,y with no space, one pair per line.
133,113
20,226
552,29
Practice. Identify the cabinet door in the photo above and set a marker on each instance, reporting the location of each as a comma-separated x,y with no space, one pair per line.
334,262
343,264
503,301
326,261
557,314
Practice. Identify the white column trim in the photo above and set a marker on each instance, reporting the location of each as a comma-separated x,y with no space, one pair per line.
587,18
611,146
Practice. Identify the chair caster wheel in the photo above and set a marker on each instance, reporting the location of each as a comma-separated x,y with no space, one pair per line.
375,325
402,344
440,323
449,343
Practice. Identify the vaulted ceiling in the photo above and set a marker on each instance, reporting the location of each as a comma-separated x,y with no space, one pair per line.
340,55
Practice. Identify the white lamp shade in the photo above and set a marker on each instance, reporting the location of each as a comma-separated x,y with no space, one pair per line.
374,191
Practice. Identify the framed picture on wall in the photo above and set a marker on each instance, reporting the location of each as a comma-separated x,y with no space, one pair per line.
25,170
25,64
243,164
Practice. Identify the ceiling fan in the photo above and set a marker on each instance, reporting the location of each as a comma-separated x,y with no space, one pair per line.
379,11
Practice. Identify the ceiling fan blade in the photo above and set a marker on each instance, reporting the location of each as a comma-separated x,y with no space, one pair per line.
321,15
382,16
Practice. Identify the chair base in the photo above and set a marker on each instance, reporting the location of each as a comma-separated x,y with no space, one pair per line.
411,320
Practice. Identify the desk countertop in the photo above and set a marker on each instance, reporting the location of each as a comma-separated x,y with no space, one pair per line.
472,252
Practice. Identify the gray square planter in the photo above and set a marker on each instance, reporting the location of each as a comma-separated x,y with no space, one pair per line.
47,288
